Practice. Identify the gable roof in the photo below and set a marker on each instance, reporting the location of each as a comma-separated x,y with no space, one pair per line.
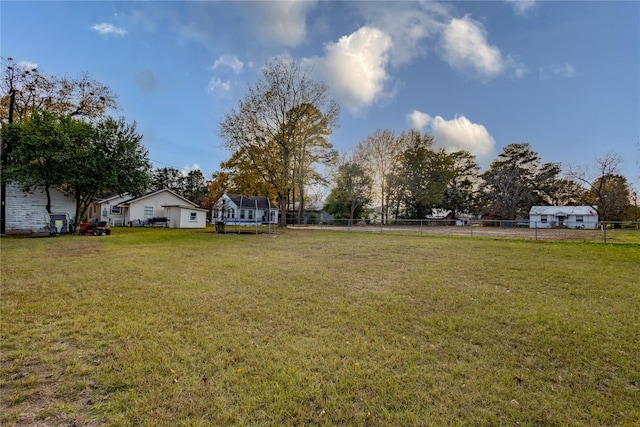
243,201
562,210
153,193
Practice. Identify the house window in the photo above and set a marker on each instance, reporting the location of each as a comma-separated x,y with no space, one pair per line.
579,218
543,219
116,210
148,212
231,214
193,216
250,214
272,213
241,213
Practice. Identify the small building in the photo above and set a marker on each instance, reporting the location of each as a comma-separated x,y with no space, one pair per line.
238,209
26,211
563,217
181,216
158,206
108,209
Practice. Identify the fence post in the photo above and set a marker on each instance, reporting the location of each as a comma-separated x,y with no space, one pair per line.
536,228
421,227
604,228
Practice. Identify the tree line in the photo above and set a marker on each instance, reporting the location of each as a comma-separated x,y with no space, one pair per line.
405,177
279,138
56,133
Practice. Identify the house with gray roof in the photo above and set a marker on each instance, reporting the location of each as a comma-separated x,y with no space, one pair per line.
239,209
563,216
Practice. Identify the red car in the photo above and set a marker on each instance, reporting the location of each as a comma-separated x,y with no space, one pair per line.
95,229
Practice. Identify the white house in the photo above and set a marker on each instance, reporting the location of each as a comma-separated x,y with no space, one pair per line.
26,211
563,216
180,216
238,209
164,203
108,209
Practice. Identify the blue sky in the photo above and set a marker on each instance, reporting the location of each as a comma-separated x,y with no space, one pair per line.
562,76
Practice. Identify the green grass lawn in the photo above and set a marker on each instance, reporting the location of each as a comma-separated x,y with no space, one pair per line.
177,327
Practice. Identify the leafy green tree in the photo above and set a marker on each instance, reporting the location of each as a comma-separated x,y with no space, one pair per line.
422,176
110,159
266,129
611,195
40,151
169,178
460,196
195,186
351,194
516,181
85,159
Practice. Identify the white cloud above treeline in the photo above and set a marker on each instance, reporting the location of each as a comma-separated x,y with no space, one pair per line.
456,134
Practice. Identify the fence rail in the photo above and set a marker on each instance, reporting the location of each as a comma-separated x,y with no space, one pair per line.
606,231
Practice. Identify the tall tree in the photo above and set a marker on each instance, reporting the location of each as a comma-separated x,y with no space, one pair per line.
516,181
269,122
195,186
111,160
40,151
606,188
78,97
169,178
460,194
311,147
351,194
379,154
423,175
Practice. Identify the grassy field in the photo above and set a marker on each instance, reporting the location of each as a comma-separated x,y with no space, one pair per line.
152,327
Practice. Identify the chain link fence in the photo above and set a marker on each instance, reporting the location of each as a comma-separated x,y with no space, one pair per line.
606,231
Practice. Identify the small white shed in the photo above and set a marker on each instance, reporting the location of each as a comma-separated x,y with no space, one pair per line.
181,216
563,216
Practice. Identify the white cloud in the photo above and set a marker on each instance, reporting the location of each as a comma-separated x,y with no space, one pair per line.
408,24
281,22
465,46
229,61
188,168
27,65
456,134
216,85
354,67
565,70
522,7
106,29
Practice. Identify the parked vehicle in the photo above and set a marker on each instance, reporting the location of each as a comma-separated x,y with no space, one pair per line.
95,229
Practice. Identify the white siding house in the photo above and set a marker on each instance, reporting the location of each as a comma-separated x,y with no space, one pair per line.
186,216
108,210
563,216
238,209
155,204
26,212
